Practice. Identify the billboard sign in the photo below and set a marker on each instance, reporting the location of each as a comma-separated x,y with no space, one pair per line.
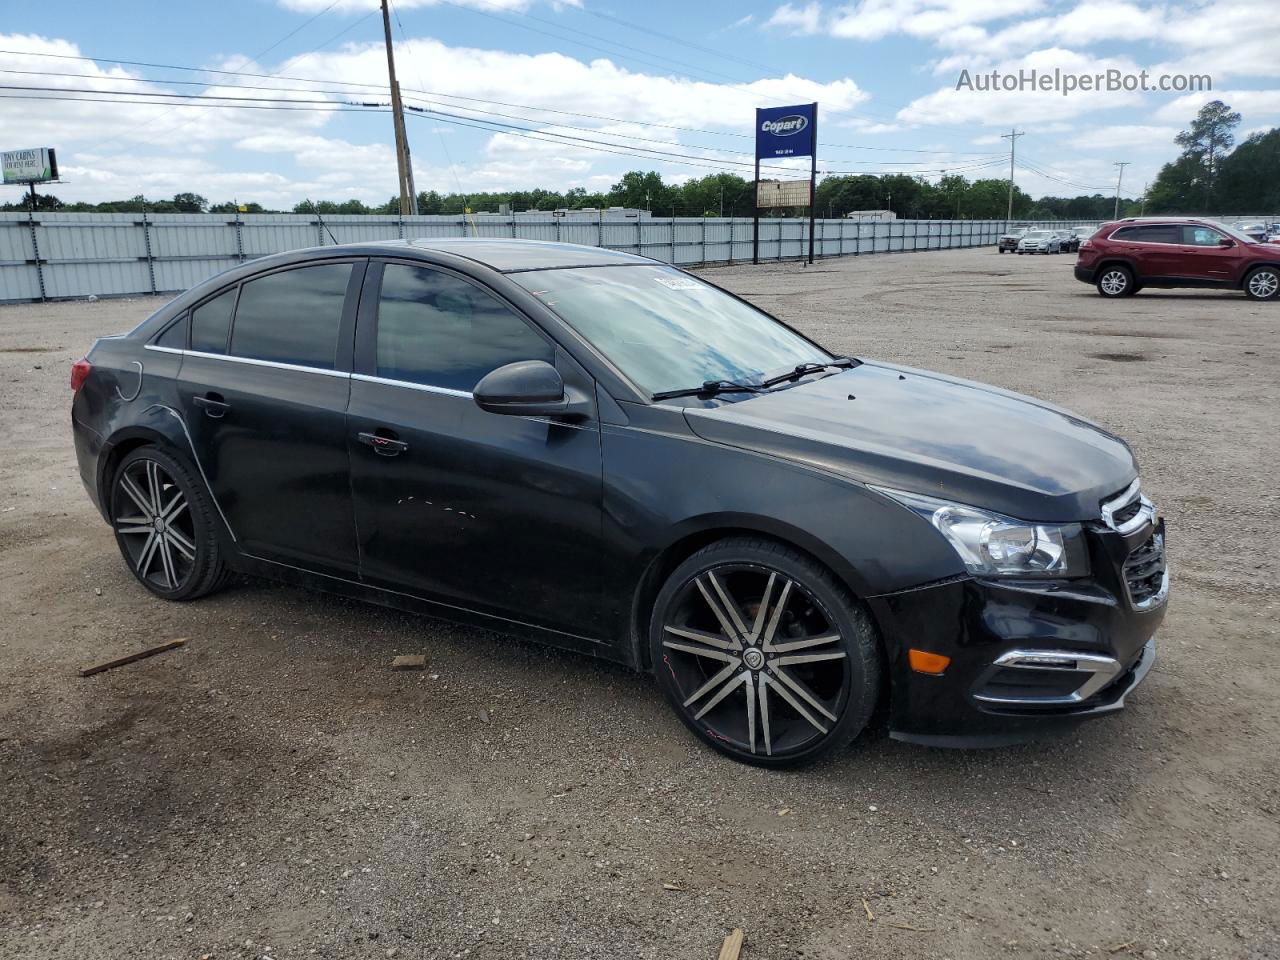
786,131
783,193
33,165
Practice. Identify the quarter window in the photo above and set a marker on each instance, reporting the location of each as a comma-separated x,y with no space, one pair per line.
210,322
440,331
292,316
175,335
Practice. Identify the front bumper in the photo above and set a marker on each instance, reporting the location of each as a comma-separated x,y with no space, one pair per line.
999,687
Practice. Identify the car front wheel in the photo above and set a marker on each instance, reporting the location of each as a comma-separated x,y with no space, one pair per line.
1263,284
165,526
1115,282
763,654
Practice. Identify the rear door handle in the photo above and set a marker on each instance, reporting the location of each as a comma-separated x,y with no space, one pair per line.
384,443
213,405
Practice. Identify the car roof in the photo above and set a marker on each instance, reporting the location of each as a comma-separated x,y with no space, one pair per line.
509,255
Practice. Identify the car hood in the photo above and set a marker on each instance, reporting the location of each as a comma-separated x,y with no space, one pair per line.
932,434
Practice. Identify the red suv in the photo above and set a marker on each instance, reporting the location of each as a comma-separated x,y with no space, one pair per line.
1125,256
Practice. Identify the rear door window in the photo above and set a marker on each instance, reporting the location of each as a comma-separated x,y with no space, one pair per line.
1158,233
211,321
440,331
292,316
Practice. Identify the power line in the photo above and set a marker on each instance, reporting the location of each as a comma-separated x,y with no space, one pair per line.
423,94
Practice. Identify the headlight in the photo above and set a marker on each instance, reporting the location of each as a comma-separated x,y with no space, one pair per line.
995,546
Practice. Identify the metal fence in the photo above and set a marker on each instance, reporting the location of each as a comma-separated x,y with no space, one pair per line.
65,255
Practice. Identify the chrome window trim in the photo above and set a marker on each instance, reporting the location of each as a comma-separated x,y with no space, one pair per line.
1101,670
251,361
424,387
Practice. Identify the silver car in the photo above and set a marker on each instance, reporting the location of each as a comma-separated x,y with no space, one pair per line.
1040,241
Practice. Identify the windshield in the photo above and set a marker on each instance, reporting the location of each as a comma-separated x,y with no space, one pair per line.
1231,231
666,330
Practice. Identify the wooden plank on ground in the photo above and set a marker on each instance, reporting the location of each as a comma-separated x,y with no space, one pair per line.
131,658
732,945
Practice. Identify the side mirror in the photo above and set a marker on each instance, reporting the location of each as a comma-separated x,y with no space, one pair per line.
1224,242
529,388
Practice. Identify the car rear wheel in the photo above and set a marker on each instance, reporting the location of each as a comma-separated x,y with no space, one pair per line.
164,526
763,654
1263,284
1115,281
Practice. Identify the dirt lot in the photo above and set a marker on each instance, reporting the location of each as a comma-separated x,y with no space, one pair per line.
273,789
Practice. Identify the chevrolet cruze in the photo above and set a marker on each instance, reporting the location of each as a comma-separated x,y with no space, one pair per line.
608,454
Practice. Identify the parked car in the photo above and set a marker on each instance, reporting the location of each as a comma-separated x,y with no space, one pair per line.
1273,233
1257,232
607,454
1069,242
1040,241
1125,256
1009,241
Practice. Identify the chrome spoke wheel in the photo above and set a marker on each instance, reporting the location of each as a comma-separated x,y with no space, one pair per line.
756,660
154,525
1114,282
1264,284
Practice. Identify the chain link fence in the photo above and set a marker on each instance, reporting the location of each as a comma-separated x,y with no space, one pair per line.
53,256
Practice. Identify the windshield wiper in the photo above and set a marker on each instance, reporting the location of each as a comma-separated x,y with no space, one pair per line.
804,369
710,388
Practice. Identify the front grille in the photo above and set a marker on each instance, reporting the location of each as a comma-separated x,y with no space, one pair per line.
1127,512
1144,571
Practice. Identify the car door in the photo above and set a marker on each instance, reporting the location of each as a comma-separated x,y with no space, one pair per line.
497,514
264,387
1202,256
1154,248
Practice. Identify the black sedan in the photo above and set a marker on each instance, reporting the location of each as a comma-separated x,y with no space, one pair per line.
605,453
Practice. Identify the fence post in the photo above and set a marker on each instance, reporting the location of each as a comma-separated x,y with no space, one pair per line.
513,224
704,236
146,240
400,225
35,249
557,220
239,238
639,236
599,228
673,239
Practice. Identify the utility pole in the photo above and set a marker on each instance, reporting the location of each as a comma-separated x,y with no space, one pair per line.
1142,212
408,196
1119,177
1012,136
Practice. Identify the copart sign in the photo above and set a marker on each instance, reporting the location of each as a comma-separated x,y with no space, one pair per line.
786,131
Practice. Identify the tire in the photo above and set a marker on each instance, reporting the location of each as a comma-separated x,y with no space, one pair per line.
165,526
1262,283
1116,281
754,697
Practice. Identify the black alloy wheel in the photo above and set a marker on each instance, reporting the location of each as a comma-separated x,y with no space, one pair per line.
164,526
763,653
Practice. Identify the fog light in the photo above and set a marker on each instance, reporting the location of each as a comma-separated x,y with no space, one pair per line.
922,661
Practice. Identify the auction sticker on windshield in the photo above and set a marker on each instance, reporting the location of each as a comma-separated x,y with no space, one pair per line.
679,283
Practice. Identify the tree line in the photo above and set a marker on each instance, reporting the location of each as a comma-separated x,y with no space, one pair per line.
1207,177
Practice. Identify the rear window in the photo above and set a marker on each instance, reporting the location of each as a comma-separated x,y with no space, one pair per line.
292,316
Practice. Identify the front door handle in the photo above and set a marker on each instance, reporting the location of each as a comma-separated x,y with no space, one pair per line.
213,405
384,443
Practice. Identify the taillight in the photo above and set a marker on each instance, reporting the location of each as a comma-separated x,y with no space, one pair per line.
80,371
1087,245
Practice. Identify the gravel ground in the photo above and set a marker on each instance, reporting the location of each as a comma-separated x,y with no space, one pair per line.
274,790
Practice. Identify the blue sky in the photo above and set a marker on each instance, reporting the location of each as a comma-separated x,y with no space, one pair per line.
671,77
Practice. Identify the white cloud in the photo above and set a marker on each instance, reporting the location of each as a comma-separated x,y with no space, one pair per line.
1252,104
951,106
796,19
1153,137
